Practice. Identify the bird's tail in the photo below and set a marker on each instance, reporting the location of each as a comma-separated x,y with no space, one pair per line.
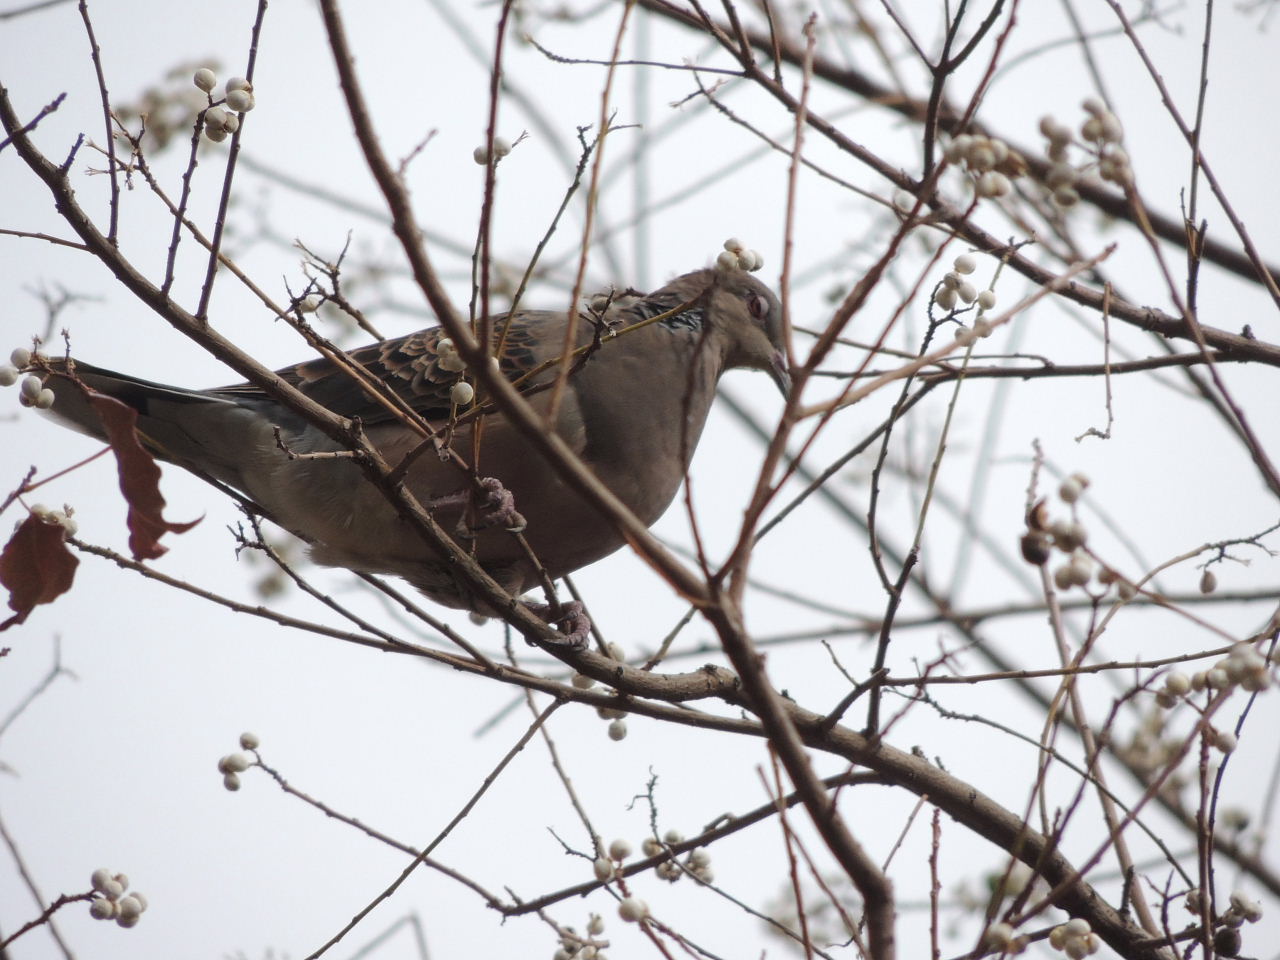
200,431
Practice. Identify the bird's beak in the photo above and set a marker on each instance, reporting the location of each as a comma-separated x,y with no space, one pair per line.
778,371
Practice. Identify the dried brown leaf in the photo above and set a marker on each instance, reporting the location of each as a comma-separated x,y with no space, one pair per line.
139,479
35,567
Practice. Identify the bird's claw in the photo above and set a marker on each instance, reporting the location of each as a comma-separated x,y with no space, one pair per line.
498,508
571,619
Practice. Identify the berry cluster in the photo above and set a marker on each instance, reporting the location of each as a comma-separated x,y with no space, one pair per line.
111,902
991,163
955,289
574,947
697,863
1068,536
999,938
447,358
1242,909
62,518
1243,667
238,98
234,764
500,149
1227,940
32,392
1075,938
736,256
1102,133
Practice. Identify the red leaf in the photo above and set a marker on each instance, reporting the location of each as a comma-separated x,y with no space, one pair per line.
35,566
139,479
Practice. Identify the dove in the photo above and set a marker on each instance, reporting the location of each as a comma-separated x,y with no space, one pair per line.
632,408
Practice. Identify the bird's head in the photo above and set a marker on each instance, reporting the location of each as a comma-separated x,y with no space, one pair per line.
749,316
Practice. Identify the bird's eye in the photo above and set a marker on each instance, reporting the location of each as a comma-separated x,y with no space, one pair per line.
758,306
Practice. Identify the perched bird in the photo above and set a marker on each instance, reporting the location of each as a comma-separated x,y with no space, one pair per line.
632,409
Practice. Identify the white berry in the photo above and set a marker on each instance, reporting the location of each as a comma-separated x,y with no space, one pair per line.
461,393
987,299
998,936
1063,578
993,184
982,157
632,909
20,357
965,263
618,730
1177,684
241,101
1112,131
205,79
452,363
619,849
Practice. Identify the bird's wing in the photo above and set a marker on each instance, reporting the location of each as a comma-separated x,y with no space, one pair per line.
411,367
